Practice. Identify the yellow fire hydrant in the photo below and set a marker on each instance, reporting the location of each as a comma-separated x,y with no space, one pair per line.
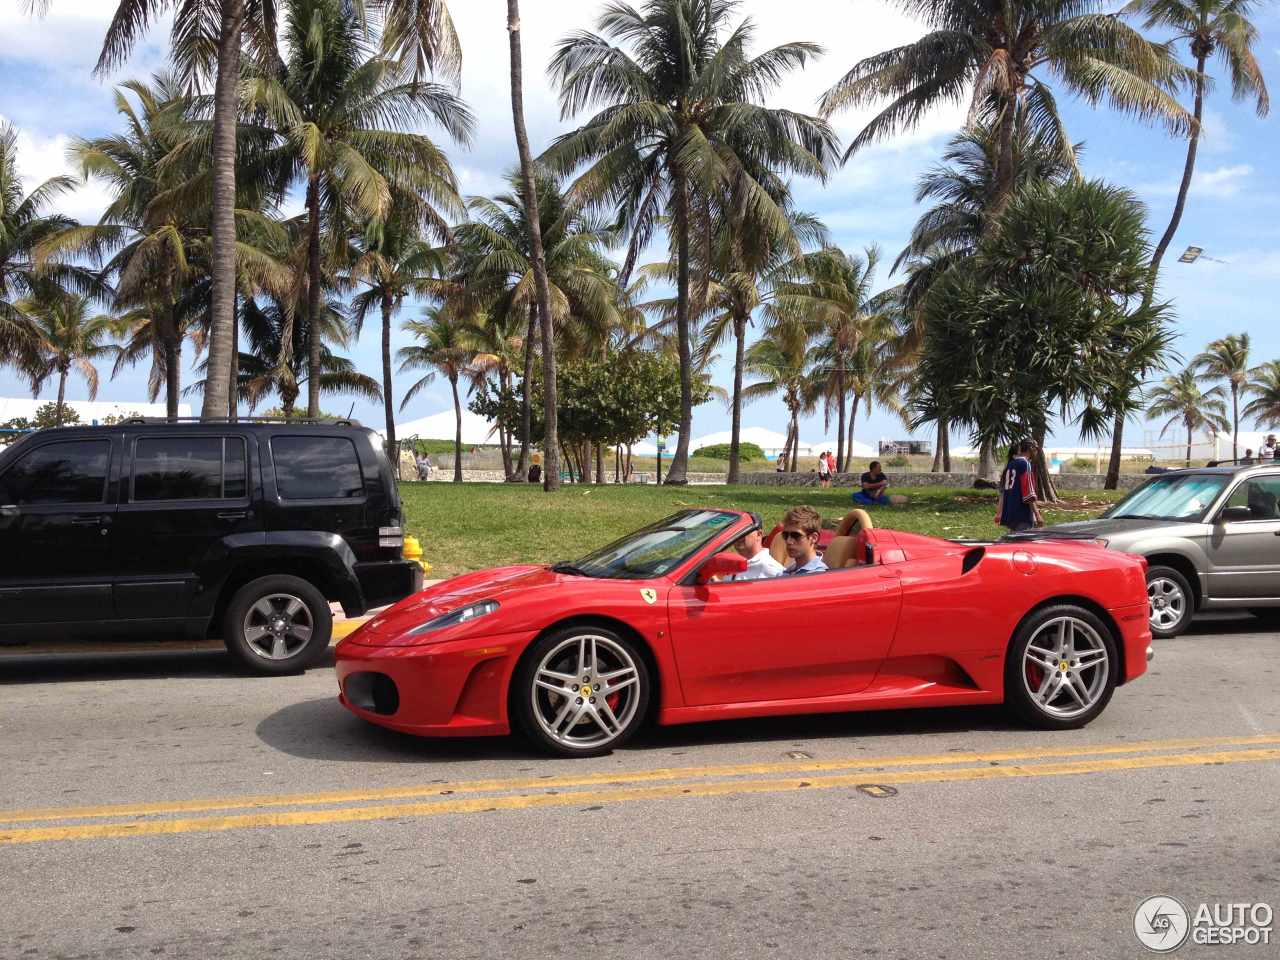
413,551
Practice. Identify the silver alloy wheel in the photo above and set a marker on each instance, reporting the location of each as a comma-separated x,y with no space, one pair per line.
278,626
1168,603
1065,667
585,691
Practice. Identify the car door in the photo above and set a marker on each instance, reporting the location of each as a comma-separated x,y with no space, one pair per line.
786,638
1244,555
55,533
184,493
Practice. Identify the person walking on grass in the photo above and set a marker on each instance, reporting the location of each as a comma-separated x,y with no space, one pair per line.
824,469
1018,508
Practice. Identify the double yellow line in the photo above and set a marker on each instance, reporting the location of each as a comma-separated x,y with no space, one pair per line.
151,819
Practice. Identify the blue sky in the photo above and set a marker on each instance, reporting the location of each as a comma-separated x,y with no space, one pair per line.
47,91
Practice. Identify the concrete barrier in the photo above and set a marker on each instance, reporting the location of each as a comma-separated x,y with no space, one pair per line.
1063,481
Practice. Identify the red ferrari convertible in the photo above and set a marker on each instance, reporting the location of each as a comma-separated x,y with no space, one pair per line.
579,655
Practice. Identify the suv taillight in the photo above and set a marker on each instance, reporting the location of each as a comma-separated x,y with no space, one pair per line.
390,537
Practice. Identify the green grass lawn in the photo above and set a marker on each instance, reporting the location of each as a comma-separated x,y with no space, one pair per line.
470,526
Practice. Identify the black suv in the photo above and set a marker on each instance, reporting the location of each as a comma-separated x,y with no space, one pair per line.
244,530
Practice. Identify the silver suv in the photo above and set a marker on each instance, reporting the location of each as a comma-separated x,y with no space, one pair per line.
1211,538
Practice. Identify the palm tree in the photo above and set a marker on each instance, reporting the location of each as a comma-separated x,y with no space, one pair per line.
26,224
782,358
1227,359
66,339
1264,384
529,193
1212,27
338,108
495,267
852,326
682,122
500,341
994,49
395,262
444,346
1180,398
263,324
206,40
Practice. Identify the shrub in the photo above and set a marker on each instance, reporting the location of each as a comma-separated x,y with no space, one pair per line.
898,461
720,451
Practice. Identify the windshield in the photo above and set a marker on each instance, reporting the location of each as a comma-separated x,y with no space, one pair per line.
657,549
1183,497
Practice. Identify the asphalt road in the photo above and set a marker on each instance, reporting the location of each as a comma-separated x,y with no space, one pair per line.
167,805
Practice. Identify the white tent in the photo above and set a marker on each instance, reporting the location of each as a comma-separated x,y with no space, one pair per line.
476,429
89,410
859,450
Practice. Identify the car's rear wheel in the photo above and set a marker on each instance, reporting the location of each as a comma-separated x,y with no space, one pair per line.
1061,668
277,624
581,691
1171,601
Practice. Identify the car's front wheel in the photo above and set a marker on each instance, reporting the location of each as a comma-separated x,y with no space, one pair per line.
1171,601
581,691
277,624
1061,668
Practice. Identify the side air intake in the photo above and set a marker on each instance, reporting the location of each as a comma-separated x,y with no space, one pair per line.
972,559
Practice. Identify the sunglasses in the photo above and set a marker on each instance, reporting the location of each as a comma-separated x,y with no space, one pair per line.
793,534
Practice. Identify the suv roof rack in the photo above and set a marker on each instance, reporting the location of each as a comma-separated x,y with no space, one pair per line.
343,422
1245,462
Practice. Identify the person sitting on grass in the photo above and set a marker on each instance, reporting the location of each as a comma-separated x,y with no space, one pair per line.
874,484
800,529
760,562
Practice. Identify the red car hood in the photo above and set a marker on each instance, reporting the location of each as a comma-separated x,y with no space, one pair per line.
496,584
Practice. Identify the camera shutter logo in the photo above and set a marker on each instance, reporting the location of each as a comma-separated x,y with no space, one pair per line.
1161,924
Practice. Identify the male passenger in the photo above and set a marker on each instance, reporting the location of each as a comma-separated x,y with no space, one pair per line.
760,562
1018,508
800,529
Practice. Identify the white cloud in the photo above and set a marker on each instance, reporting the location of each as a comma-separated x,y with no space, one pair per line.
40,158
1220,182
1216,136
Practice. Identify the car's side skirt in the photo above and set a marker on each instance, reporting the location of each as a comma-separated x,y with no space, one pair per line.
869,700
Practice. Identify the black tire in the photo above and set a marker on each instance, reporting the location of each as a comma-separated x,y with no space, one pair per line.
1158,579
534,707
299,651
1268,615
1060,711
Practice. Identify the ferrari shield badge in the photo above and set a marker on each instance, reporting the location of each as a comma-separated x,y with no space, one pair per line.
650,596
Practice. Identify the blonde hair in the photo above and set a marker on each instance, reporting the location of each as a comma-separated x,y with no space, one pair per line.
806,518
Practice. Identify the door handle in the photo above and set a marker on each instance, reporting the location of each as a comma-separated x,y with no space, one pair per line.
87,521
233,515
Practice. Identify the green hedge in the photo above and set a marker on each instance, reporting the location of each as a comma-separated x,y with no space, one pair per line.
720,451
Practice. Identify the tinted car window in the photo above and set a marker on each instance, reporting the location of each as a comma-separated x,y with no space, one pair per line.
74,471
188,468
316,468
1261,495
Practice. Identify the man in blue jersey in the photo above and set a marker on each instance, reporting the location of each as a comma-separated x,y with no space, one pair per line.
1018,508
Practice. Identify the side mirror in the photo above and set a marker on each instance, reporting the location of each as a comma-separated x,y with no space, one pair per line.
1235,515
722,565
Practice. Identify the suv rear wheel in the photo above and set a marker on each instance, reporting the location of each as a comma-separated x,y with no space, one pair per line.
277,624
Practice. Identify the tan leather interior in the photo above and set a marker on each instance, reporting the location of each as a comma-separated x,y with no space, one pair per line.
778,549
855,520
840,553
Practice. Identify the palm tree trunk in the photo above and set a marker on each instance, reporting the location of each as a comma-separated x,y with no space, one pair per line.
388,404
526,393
1189,445
172,373
1004,170
1187,171
946,447
840,462
313,297
735,428
795,439
550,444
504,434
677,473
1112,480
62,397
937,453
1235,421
223,256
984,459
233,368
1046,492
457,437
599,463
848,452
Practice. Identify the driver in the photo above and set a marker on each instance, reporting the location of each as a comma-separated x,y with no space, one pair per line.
800,529
760,562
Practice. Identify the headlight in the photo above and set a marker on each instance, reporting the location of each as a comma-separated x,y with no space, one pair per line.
455,617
